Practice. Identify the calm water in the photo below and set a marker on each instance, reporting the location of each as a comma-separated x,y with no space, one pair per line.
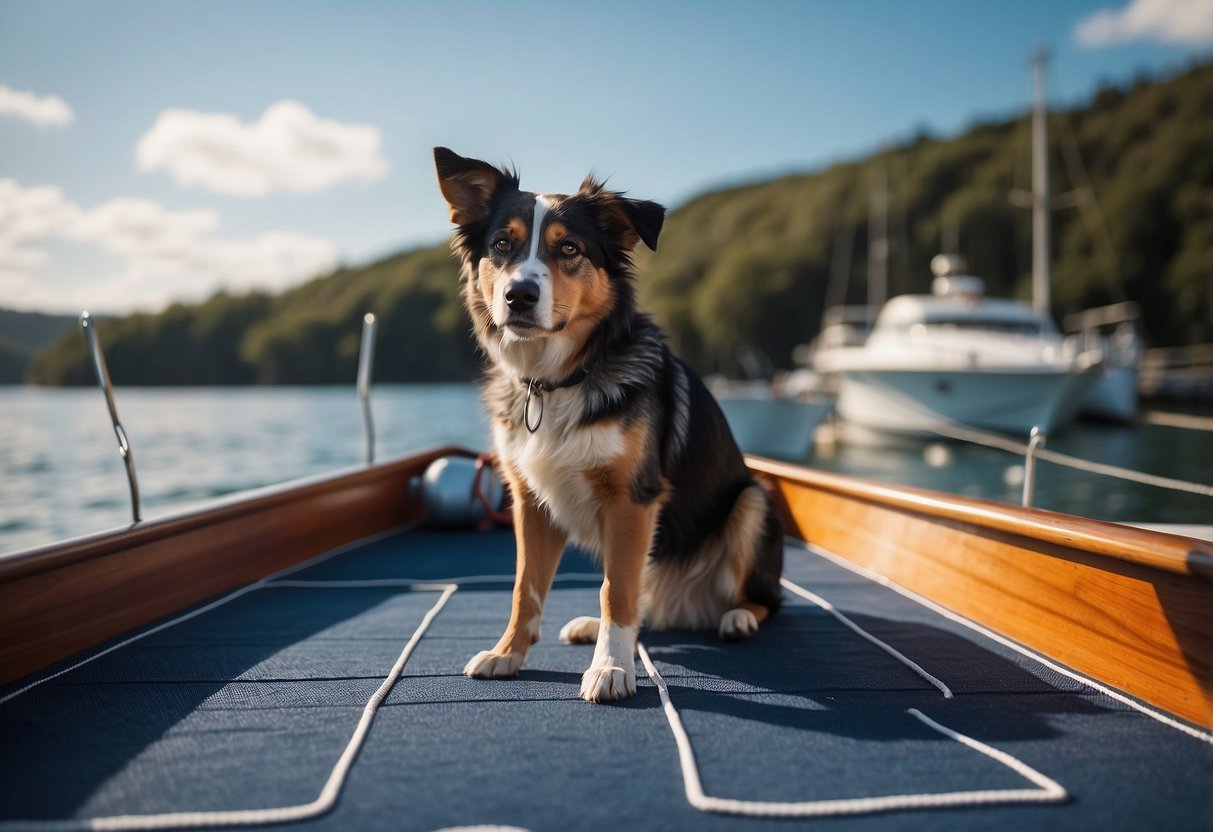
62,477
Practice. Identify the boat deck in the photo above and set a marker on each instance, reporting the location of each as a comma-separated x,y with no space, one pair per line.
857,702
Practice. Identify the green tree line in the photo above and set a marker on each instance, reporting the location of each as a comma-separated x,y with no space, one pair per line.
747,270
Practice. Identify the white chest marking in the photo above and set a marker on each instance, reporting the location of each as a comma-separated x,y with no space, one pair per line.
553,461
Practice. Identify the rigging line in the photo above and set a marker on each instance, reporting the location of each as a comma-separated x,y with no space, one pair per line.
1081,181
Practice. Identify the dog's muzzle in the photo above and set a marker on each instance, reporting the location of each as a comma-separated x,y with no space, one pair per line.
522,295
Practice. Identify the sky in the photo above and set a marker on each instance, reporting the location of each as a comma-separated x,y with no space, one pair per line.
155,151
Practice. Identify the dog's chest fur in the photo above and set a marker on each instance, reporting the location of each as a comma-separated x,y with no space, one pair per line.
555,459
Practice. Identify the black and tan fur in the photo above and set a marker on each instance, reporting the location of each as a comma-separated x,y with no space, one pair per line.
631,457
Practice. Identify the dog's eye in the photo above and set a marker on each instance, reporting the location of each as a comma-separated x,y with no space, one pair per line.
569,250
502,245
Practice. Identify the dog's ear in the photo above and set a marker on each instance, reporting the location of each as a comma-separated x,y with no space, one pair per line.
630,220
468,185
646,219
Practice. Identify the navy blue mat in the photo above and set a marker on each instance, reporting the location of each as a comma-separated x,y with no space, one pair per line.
250,704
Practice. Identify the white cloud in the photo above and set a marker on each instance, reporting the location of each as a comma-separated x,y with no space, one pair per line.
1186,22
288,148
164,255
141,228
28,215
40,109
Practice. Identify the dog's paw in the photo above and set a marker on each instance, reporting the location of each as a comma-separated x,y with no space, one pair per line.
737,624
581,630
488,664
608,684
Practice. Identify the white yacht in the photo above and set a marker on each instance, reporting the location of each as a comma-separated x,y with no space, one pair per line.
956,357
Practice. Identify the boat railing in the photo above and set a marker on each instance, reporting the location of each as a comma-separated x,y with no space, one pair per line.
1034,449
365,360
89,327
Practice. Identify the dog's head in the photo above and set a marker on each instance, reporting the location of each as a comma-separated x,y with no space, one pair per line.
543,271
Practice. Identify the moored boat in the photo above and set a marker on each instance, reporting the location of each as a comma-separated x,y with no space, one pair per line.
957,357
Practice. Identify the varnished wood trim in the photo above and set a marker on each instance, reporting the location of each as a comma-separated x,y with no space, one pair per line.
58,600
1128,607
1173,553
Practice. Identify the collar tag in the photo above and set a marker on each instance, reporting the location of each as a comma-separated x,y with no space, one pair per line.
533,391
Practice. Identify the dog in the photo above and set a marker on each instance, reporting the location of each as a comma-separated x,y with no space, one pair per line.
604,437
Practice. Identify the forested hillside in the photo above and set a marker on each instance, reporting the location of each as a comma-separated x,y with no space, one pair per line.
22,336
747,270
308,335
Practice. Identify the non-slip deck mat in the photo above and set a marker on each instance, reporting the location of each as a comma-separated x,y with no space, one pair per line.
249,705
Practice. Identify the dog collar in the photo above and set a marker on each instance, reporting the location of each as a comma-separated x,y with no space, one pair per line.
535,388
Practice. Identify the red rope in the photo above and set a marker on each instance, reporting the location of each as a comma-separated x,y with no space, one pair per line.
480,489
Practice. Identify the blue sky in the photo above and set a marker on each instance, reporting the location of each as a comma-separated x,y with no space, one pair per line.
152,151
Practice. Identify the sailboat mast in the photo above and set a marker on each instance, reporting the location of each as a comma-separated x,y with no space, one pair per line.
878,237
1040,188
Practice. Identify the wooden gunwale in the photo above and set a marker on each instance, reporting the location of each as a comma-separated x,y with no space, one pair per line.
1129,607
58,600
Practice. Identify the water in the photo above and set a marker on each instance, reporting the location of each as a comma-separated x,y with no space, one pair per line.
62,477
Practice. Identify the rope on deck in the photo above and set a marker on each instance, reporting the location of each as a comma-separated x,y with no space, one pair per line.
323,803
875,577
892,651
1047,791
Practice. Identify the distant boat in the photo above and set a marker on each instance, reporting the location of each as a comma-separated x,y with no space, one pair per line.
769,420
1113,330
959,357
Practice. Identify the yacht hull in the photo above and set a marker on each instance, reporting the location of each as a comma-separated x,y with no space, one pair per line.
1006,400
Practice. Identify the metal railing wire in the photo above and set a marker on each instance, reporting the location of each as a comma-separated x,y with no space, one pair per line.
1034,449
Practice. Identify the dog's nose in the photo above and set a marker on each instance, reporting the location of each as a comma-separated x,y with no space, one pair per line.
522,295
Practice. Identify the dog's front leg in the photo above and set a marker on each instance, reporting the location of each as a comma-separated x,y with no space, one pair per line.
540,545
627,536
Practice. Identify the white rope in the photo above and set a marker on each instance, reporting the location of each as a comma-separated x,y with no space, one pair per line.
250,817
420,584
327,798
877,578
892,651
1048,791
336,780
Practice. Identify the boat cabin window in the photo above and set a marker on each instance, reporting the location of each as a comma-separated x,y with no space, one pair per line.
1005,327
